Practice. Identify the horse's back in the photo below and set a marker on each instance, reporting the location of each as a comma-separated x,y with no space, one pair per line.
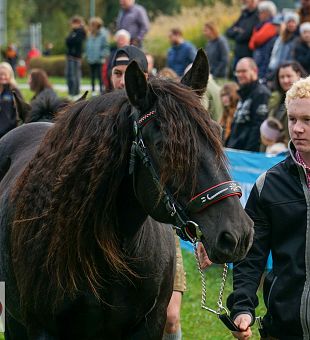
17,148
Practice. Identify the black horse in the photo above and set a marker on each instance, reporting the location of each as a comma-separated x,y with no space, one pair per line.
79,254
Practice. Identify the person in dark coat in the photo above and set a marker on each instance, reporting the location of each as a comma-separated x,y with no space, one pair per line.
279,206
8,113
251,109
45,101
301,52
242,29
217,50
74,44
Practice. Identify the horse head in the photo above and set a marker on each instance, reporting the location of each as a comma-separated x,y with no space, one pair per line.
179,169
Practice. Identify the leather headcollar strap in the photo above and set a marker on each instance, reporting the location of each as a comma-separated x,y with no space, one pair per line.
214,195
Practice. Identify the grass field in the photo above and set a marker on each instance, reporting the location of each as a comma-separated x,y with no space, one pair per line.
198,324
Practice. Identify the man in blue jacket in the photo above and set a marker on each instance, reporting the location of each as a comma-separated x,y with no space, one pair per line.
181,53
279,205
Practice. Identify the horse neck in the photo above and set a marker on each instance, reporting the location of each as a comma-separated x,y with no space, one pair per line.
131,215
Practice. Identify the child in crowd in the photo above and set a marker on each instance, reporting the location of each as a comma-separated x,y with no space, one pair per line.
272,136
229,98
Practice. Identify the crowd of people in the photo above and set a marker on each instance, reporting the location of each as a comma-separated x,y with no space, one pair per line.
262,107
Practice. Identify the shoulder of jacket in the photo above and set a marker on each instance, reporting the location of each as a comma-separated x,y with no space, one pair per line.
260,182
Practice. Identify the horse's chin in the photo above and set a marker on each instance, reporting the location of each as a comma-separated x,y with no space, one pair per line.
218,257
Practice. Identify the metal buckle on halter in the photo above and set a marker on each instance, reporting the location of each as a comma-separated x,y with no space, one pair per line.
189,233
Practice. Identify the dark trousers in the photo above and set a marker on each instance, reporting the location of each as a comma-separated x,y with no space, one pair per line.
73,76
95,73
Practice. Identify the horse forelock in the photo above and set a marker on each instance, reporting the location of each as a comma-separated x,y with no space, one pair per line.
183,121
65,200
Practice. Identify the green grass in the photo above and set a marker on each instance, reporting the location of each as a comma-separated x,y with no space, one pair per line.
198,324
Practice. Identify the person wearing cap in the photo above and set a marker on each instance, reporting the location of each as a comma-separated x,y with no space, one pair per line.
123,56
301,51
121,39
284,45
133,18
279,205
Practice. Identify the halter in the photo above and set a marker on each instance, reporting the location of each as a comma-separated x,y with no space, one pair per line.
186,229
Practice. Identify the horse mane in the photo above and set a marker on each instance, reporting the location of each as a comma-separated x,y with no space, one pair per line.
65,221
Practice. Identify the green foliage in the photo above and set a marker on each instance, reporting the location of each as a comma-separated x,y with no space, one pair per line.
56,30
55,65
19,15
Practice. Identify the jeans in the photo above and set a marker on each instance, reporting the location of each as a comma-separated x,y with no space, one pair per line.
73,75
95,72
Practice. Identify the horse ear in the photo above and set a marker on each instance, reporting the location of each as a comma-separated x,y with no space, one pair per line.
198,75
22,107
83,97
138,91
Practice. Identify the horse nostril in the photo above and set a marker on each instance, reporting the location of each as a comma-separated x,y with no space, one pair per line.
226,242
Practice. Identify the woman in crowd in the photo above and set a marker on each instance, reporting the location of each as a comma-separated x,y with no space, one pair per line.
284,45
217,50
286,74
229,98
8,113
45,101
97,49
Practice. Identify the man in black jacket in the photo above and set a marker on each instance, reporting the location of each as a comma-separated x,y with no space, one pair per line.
252,108
279,205
242,29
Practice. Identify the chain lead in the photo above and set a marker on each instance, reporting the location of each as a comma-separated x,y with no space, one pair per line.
204,287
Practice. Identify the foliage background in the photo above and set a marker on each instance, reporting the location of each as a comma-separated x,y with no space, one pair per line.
54,14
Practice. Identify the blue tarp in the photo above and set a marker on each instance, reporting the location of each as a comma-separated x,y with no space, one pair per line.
245,168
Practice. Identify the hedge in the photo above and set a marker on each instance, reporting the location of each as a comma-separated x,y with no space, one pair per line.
55,65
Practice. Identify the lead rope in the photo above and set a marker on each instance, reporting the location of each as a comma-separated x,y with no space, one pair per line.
221,311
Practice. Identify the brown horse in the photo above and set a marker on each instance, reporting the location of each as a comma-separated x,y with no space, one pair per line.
79,254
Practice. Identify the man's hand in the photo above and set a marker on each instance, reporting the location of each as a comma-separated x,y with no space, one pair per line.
243,322
203,256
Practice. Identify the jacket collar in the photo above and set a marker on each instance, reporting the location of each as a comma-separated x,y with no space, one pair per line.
246,89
